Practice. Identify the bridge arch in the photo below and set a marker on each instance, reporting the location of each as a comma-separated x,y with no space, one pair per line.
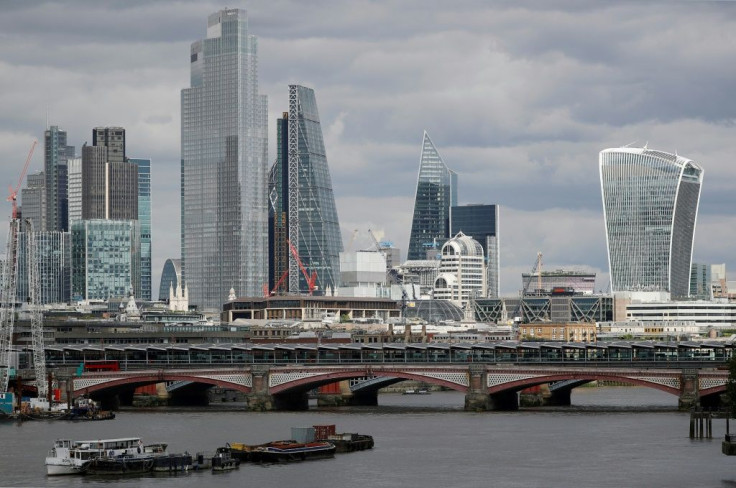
665,384
307,383
88,384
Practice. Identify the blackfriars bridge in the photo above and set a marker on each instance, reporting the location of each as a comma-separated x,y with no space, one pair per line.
486,386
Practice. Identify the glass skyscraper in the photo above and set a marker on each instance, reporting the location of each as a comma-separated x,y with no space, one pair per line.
224,145
105,259
650,205
436,193
56,153
53,258
303,203
144,220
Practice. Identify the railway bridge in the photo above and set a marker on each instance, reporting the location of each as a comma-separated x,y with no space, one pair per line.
486,386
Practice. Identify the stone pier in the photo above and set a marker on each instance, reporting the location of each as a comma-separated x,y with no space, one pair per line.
689,390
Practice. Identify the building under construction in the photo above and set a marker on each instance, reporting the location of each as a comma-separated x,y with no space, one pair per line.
558,282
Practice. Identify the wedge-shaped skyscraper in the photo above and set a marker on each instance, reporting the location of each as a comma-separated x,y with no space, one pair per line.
224,186
650,205
436,194
303,210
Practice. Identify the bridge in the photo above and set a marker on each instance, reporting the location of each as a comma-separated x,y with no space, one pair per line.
486,386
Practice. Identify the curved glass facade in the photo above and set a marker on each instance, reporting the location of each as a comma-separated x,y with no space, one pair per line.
170,277
436,193
650,205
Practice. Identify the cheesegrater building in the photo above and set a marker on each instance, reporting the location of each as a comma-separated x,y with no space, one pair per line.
224,144
650,205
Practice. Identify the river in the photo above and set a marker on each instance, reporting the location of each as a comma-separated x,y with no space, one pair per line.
610,437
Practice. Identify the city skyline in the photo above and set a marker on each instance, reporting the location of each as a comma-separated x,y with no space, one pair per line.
519,113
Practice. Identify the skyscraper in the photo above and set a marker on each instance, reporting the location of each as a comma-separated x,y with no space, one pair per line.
650,205
33,198
144,220
436,193
74,190
303,203
224,144
56,154
481,223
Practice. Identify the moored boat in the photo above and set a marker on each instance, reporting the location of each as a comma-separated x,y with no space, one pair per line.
290,450
223,460
74,457
351,442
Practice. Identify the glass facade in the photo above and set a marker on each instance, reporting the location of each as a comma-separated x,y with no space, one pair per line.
33,198
224,144
436,193
56,154
481,223
311,222
650,205
105,259
54,265
74,189
170,278
144,220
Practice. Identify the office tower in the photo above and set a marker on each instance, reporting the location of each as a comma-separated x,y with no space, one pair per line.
700,282
436,193
303,203
113,138
56,154
144,220
224,144
105,259
462,274
53,257
74,189
650,205
33,199
170,277
481,223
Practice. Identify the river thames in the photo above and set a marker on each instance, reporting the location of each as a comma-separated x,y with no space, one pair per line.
610,437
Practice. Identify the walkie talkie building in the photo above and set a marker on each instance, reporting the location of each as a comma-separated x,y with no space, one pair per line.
650,205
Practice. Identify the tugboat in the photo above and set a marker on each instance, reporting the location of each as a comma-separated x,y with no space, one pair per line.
223,460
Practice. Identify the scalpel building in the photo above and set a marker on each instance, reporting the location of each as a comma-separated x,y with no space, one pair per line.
650,205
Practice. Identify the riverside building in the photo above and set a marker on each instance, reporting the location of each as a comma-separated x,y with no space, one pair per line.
224,144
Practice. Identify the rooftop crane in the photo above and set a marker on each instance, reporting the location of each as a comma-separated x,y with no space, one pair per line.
9,287
311,280
537,268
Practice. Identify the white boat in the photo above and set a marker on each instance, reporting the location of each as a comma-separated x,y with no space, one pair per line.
73,457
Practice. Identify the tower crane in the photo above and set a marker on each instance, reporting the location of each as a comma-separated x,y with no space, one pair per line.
10,284
311,279
537,268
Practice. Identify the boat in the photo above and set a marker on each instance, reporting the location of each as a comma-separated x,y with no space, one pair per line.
136,463
290,450
351,442
74,457
420,391
223,460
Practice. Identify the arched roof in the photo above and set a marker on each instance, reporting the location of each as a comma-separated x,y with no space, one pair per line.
462,245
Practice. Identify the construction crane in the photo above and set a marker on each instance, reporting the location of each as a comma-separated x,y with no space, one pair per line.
537,268
311,279
34,305
10,284
267,293
352,240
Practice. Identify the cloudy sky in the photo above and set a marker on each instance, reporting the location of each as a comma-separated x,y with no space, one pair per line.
519,97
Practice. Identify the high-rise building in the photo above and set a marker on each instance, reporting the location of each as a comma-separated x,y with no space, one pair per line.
113,138
700,282
105,259
53,258
302,201
74,189
144,220
481,223
33,199
650,205
462,274
224,145
436,193
56,154
170,277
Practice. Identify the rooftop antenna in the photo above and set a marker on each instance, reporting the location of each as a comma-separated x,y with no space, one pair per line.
646,144
629,144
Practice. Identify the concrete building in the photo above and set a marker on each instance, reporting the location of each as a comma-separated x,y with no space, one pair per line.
303,210
422,272
552,331
436,194
462,276
672,330
481,223
650,206
705,314
74,190
224,179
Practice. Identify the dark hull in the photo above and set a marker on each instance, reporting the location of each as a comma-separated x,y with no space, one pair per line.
358,443
172,463
120,465
279,453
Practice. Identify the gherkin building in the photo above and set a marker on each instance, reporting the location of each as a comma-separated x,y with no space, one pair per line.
303,212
